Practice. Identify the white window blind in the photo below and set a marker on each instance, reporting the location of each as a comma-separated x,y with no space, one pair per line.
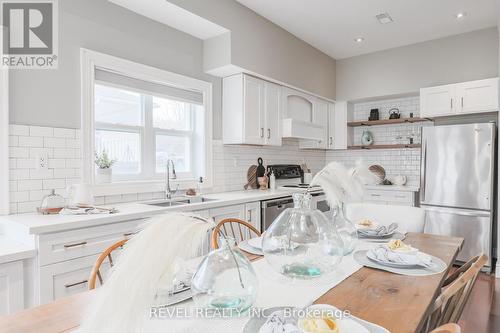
159,89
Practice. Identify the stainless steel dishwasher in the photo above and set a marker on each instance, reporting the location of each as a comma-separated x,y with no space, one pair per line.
270,210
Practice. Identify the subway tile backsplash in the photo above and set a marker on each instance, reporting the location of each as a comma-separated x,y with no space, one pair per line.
28,183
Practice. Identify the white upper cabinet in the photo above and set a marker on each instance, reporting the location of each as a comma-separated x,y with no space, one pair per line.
338,124
461,98
254,113
251,111
437,101
320,118
478,96
273,109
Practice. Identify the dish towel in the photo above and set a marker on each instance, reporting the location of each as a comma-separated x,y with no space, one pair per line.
382,253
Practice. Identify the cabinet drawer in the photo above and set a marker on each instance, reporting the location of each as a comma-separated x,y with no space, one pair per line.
69,277
402,197
376,195
62,246
388,197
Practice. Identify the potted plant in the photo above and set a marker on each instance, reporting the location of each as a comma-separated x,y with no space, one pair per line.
104,167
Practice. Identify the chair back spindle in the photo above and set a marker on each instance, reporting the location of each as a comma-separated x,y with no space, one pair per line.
233,228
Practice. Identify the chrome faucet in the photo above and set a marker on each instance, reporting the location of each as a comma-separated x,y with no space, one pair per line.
168,191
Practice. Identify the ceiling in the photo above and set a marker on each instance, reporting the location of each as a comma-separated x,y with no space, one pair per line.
332,25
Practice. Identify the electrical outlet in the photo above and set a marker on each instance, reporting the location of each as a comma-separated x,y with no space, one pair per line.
42,162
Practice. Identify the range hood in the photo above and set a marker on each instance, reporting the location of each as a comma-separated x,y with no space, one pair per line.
297,129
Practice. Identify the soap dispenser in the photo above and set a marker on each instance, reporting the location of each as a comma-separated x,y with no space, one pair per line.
272,181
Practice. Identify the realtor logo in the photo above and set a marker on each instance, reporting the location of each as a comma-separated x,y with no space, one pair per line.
29,38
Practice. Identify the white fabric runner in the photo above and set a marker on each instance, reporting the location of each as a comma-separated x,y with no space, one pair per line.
274,290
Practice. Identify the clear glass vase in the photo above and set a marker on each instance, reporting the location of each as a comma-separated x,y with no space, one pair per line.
345,228
301,242
225,280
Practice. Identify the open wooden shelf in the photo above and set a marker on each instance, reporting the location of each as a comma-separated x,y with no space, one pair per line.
385,122
396,146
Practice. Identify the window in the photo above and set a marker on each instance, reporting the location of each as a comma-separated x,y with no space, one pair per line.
142,117
4,141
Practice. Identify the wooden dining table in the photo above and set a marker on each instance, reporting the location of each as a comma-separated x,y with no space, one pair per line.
398,303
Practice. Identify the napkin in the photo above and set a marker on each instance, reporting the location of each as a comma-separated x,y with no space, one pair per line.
380,231
382,253
277,323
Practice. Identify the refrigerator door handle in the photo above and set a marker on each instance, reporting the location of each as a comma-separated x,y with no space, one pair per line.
422,169
457,211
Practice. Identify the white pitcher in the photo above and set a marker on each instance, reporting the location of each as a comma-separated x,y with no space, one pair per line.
80,195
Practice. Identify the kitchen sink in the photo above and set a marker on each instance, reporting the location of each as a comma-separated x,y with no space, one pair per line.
179,201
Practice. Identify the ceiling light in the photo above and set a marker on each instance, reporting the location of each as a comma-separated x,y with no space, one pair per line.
384,18
460,15
359,39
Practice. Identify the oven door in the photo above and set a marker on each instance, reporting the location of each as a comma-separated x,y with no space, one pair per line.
320,202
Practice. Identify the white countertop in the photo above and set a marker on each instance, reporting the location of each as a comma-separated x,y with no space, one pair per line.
12,250
39,224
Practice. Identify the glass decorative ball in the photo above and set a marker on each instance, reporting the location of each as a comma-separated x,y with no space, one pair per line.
225,280
302,242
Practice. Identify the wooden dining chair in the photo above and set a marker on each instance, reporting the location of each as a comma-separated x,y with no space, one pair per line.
447,328
456,289
233,228
96,273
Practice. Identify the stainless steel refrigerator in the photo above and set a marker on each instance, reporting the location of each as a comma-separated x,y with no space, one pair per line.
457,182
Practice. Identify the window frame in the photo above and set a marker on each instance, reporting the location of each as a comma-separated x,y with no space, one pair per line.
4,141
90,61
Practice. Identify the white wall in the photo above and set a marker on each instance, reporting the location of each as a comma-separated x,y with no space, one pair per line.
406,69
52,97
262,47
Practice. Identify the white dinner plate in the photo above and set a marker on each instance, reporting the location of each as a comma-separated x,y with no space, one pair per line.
245,246
350,324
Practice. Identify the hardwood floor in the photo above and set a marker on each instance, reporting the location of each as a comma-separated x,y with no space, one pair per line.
482,312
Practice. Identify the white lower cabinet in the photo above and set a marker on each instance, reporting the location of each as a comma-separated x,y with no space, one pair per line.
252,214
221,213
67,245
249,212
11,287
65,259
68,277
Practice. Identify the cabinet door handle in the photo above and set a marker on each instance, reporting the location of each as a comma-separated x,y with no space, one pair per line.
75,284
268,133
462,102
68,246
249,215
451,103
331,141
262,132
375,195
128,234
